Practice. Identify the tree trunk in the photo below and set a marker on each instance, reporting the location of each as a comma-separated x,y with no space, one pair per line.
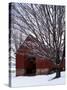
58,74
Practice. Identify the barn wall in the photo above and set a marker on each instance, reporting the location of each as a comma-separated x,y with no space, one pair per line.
20,65
19,61
44,63
43,66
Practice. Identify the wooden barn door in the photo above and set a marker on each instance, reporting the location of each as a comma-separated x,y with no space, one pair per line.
31,66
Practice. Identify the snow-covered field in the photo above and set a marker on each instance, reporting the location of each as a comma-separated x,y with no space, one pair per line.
37,80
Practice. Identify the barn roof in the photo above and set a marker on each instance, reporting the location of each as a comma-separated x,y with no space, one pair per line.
32,43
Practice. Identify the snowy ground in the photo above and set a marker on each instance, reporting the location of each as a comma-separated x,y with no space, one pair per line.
37,80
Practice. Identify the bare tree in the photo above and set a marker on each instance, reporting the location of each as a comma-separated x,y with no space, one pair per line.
46,23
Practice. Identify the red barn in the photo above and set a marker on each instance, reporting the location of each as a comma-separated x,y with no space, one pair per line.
28,63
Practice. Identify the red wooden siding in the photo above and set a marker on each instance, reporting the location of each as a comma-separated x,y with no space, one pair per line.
44,63
19,61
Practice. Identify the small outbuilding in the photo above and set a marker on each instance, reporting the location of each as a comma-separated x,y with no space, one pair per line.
28,63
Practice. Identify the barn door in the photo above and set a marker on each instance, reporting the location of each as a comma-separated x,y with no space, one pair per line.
31,66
